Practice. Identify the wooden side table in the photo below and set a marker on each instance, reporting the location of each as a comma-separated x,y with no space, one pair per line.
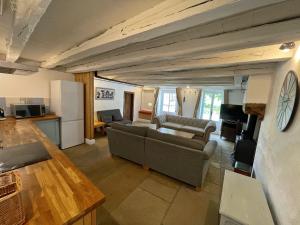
101,125
144,114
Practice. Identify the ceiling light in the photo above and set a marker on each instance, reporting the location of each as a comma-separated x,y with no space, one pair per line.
287,46
187,86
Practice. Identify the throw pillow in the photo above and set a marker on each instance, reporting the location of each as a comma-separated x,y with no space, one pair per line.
117,116
106,118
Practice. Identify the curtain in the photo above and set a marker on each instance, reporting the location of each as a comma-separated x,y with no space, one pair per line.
226,97
197,106
154,109
179,100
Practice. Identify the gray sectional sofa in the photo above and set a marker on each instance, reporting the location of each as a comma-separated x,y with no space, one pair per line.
201,128
181,158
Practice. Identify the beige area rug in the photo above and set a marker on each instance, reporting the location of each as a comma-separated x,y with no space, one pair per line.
135,196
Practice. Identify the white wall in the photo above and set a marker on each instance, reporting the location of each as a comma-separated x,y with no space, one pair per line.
118,101
235,97
35,85
258,89
277,160
147,97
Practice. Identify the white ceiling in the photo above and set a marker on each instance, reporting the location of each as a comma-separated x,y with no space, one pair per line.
67,23
175,42
5,26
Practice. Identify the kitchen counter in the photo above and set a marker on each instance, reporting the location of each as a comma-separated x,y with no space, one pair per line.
47,117
54,192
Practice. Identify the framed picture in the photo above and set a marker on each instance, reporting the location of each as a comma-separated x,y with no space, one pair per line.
104,93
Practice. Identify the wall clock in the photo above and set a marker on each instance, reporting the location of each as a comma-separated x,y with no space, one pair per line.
287,102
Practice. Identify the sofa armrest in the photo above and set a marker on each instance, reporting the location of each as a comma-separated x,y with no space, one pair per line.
159,120
210,127
209,149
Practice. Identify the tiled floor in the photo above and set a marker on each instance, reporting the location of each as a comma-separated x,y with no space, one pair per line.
135,196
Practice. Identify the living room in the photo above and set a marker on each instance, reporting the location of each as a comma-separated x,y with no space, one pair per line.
149,112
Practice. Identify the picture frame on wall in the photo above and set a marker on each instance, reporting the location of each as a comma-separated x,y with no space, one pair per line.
104,93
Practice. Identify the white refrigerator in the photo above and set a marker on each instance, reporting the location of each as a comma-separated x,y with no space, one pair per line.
67,102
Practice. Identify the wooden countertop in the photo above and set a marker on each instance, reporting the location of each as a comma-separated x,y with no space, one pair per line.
54,192
47,117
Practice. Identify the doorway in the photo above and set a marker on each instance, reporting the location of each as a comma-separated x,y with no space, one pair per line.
211,105
128,109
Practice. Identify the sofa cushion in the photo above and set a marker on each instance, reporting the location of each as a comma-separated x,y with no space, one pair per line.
106,118
186,121
171,125
196,123
196,130
177,140
117,115
140,131
125,122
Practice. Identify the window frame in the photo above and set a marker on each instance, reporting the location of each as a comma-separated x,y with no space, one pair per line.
161,101
213,92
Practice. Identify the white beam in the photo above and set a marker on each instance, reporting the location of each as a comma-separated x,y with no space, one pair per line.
168,78
18,66
195,82
168,17
1,7
223,80
246,56
266,34
27,16
245,70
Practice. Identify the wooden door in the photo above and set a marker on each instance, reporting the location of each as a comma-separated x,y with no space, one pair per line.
128,105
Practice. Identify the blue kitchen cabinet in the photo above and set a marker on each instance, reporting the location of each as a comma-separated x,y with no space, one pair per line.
51,129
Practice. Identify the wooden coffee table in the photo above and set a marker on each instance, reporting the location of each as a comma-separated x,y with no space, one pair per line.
176,132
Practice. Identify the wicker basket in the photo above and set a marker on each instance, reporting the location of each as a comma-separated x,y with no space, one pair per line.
11,207
9,183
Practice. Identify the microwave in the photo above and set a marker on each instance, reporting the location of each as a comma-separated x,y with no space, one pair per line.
27,110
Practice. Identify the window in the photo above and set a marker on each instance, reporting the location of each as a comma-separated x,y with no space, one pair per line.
167,102
211,105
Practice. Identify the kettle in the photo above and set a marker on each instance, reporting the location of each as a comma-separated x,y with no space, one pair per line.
2,113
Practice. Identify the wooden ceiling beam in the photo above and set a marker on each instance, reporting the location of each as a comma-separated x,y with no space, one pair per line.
255,28
18,66
26,18
166,78
258,36
244,70
165,18
182,82
246,56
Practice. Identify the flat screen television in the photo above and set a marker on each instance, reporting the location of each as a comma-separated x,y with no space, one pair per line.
233,113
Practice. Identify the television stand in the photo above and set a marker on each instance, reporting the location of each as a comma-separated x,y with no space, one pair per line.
230,129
